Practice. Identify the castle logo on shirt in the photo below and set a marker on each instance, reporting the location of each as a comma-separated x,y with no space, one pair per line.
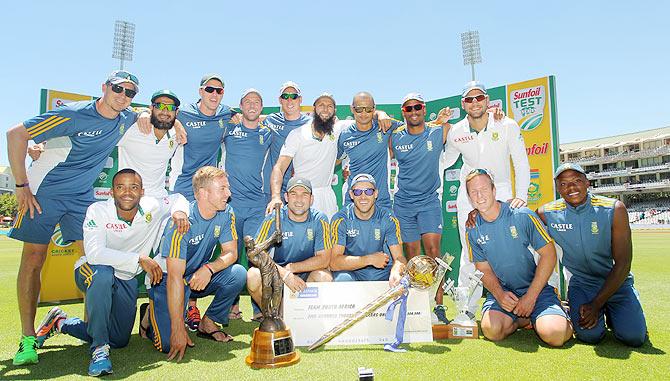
594,227
217,231
286,235
310,234
351,144
404,147
378,234
561,227
513,232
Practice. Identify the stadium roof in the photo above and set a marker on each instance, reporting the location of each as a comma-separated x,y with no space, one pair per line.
616,140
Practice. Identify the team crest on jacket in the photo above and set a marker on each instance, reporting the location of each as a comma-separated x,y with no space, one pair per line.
148,217
495,136
171,143
378,234
594,227
310,234
217,231
260,139
122,128
429,145
380,138
512,230
220,123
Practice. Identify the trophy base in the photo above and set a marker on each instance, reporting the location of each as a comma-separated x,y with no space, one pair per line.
272,350
455,331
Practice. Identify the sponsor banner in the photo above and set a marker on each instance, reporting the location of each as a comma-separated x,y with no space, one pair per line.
321,306
58,271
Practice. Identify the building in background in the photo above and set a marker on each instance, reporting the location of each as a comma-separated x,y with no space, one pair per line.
634,167
7,184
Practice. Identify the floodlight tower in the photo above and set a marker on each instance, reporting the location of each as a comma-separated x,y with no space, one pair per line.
124,39
471,53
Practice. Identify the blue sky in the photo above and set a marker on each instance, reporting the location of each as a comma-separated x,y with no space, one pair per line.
604,54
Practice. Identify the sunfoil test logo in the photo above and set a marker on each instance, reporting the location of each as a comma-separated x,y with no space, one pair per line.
528,106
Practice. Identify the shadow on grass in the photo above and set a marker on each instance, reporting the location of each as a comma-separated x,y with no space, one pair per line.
612,348
423,348
138,357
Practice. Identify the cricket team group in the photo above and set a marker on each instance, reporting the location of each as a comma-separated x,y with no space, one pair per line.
194,179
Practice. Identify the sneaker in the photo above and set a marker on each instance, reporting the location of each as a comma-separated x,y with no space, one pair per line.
49,325
100,363
27,353
441,314
192,318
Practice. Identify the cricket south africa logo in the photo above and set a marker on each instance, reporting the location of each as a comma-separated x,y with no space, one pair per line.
528,106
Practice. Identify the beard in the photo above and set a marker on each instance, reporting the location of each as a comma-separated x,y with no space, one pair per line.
323,126
162,125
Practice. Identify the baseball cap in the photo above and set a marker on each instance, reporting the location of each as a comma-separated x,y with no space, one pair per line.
249,91
299,182
567,166
325,95
413,96
473,85
207,77
121,76
166,93
288,84
363,178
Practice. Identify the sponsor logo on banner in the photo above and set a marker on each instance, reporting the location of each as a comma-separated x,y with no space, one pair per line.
453,191
528,106
454,222
452,174
57,238
534,189
102,193
102,176
451,206
495,103
109,163
536,149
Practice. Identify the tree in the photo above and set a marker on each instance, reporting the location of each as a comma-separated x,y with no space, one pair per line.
8,205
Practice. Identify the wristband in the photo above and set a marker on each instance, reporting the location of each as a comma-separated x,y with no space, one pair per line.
22,185
209,268
286,276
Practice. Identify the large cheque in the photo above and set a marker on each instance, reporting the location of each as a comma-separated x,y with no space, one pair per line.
321,306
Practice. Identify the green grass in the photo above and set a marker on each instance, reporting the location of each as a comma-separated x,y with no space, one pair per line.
519,357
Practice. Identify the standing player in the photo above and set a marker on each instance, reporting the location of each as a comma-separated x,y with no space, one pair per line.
304,253
59,188
184,260
366,147
417,147
594,234
366,238
119,235
485,142
518,290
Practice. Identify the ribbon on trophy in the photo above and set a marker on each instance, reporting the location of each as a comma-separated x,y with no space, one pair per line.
402,315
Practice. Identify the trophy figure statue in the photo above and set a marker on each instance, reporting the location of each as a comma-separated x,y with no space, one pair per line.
421,272
464,325
272,343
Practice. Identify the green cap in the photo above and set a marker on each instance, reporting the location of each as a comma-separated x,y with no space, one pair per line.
207,77
166,93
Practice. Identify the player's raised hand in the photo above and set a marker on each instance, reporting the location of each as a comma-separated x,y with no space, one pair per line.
180,220
498,113
144,122
516,203
443,116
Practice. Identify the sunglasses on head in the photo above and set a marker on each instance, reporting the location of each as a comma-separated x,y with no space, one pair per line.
289,96
478,98
211,89
130,93
416,107
126,75
165,106
367,191
361,109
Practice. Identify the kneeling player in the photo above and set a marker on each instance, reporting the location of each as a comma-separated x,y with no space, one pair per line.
363,237
304,253
518,289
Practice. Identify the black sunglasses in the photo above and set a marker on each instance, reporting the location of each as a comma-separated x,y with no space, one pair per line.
211,89
416,107
119,89
358,192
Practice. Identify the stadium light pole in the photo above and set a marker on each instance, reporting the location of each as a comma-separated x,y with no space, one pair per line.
471,52
124,39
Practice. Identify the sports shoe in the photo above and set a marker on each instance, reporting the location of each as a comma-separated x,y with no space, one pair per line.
100,363
49,325
27,353
192,318
440,312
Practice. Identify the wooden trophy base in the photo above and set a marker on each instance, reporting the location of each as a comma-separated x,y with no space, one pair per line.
272,350
455,331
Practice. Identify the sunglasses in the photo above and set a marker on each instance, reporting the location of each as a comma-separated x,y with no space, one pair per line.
416,107
125,75
289,96
165,106
478,98
130,93
361,109
358,192
211,89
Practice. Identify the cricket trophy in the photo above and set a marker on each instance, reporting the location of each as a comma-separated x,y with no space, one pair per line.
464,325
272,343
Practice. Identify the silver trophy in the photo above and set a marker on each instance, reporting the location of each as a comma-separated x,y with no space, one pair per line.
464,324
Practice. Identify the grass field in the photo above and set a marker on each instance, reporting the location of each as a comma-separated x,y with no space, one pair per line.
519,357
